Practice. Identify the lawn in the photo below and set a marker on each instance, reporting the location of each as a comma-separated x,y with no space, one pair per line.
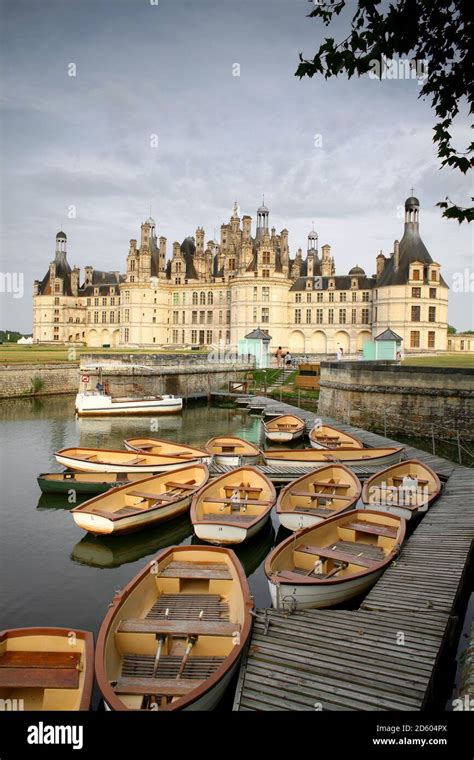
443,360
37,354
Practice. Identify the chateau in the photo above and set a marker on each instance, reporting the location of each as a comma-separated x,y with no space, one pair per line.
214,294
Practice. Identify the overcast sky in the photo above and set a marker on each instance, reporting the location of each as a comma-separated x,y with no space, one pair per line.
167,69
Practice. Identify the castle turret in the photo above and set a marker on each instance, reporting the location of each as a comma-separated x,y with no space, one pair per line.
262,222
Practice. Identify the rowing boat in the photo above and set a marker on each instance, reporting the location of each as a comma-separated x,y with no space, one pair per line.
334,561
97,404
140,505
315,457
167,449
85,482
327,437
46,669
284,429
173,638
313,498
116,460
406,489
232,451
233,507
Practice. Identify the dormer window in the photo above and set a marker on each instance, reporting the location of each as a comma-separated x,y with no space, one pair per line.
96,291
354,283
309,284
434,275
416,274
332,284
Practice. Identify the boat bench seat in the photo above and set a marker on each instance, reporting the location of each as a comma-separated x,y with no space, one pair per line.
171,687
338,555
189,486
398,479
247,489
229,517
179,627
238,503
137,460
318,511
326,496
197,570
297,573
123,512
40,670
371,528
148,495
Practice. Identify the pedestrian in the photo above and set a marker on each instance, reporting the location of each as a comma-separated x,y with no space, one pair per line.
338,354
288,359
279,356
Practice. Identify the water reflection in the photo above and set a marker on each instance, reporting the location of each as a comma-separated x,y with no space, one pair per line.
114,551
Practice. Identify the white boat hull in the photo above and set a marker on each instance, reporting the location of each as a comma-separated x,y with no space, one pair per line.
307,596
100,404
298,520
100,525
81,465
233,460
223,535
282,436
399,511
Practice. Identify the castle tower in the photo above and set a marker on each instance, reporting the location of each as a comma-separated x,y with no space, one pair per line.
327,263
200,241
162,257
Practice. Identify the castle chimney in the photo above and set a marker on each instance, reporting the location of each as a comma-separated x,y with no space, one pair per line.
396,255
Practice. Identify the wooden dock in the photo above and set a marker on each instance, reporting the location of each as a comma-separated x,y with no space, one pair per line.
386,654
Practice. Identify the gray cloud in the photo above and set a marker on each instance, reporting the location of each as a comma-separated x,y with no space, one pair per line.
168,70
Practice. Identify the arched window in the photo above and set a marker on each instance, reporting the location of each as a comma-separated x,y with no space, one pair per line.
210,298
195,298
202,298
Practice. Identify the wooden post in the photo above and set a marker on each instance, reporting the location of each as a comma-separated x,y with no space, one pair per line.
459,447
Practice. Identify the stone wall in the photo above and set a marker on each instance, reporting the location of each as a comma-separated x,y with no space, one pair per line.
38,379
187,381
188,375
407,400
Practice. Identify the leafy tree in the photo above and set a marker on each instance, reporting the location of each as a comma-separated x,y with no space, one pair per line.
437,33
451,330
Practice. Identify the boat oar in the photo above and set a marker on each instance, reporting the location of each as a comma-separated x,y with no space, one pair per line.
161,640
191,642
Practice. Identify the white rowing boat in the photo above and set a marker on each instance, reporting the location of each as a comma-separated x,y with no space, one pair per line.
96,404
406,489
315,497
116,460
327,437
174,637
284,429
232,451
316,457
233,507
334,561
143,504
167,449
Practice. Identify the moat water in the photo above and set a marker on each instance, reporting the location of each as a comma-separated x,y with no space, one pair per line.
52,573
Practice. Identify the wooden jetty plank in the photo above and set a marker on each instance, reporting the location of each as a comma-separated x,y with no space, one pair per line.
353,659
